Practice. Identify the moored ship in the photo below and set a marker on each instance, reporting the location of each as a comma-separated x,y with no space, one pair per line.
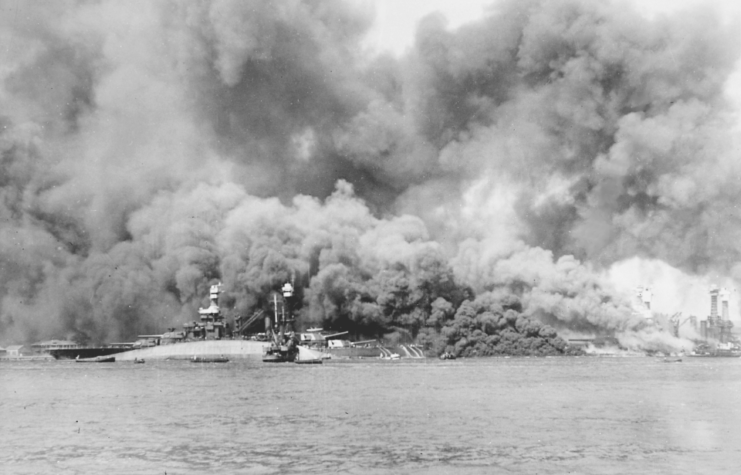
68,350
718,340
721,350
211,338
207,338
335,345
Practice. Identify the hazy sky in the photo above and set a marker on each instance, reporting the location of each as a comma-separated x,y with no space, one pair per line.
396,20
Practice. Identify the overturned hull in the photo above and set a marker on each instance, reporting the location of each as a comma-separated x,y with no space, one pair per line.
85,352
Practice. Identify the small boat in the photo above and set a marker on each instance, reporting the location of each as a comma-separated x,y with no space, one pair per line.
672,359
209,359
311,361
280,354
99,359
139,361
273,358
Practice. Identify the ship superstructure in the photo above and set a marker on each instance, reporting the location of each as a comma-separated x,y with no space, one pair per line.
642,304
717,339
717,326
212,325
283,343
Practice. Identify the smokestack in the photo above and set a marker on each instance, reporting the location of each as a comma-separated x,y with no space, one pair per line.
714,302
724,304
645,294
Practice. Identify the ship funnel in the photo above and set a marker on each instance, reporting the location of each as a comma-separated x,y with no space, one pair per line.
214,293
714,301
645,295
724,297
287,290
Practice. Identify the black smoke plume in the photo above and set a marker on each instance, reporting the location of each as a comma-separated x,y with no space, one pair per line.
469,194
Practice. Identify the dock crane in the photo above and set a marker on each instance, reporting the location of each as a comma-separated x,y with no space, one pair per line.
677,322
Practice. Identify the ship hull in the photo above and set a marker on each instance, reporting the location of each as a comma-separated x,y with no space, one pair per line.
232,349
404,351
84,352
99,359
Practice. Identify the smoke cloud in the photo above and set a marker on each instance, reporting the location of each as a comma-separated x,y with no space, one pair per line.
483,182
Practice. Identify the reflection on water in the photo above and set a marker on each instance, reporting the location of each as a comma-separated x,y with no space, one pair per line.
553,415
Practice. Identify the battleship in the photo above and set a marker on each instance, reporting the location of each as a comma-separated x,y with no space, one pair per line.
720,350
210,338
716,331
336,345
204,340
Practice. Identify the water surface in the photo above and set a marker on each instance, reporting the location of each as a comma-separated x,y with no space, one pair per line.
499,415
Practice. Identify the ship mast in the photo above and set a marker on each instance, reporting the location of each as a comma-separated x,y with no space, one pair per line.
279,336
281,348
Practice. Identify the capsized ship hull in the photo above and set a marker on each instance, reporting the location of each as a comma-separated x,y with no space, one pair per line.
84,352
232,349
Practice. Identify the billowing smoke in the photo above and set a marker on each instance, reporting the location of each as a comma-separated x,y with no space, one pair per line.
470,194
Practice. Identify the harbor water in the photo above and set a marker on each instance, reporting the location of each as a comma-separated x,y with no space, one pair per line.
584,415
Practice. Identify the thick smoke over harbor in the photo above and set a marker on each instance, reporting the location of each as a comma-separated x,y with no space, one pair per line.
472,192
